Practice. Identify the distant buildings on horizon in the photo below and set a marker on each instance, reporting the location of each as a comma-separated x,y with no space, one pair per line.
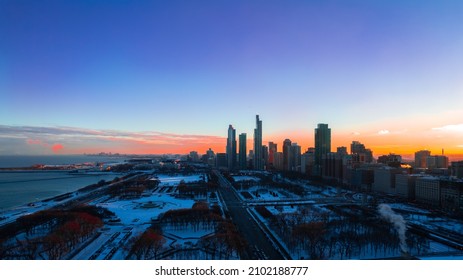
430,179
318,160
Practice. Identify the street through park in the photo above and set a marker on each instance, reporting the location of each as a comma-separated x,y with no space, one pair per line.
259,244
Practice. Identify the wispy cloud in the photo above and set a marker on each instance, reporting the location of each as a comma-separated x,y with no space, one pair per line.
36,142
450,128
392,132
67,139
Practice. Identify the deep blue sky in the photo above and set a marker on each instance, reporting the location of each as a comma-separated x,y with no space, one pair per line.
193,67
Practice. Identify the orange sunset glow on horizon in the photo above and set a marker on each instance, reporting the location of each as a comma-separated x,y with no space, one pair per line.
404,142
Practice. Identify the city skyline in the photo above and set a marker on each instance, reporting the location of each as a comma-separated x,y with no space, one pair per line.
150,78
165,143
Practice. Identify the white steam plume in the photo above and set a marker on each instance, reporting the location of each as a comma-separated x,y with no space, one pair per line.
398,221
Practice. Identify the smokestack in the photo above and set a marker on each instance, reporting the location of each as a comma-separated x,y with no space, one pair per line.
442,151
399,224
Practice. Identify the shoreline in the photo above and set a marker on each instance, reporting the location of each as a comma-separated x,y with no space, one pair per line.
31,204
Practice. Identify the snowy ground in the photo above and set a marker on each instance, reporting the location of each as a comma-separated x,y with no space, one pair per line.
144,208
132,218
412,214
275,210
168,180
136,215
408,208
425,218
262,193
245,178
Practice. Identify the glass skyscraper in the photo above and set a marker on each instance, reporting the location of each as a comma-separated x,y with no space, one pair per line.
258,160
322,144
242,151
231,148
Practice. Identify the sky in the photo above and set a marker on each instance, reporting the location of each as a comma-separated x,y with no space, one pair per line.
170,76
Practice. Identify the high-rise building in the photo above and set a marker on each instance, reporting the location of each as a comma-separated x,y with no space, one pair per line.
258,157
272,149
360,152
231,148
307,161
251,155
332,166
322,144
420,158
265,155
295,157
286,154
278,160
221,160
242,151
356,147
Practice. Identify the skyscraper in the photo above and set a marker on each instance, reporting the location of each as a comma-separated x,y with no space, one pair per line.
307,161
258,158
322,144
295,157
265,156
242,151
278,160
231,148
286,154
272,149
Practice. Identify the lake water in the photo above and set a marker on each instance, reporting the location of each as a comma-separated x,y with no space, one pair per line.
21,187
27,161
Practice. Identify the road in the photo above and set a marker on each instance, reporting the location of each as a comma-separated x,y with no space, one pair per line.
260,246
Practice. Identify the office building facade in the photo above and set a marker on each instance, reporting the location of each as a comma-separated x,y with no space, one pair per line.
322,145
242,151
258,161
231,148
